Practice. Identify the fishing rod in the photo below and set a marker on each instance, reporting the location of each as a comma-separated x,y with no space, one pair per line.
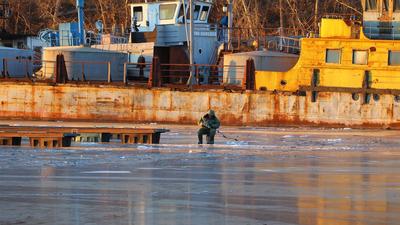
226,137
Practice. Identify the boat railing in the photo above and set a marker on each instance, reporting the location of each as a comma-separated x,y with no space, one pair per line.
342,16
68,38
89,71
25,68
206,76
177,75
154,74
284,44
137,73
245,39
44,69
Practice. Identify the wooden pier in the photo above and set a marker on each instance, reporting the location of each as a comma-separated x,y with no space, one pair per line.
53,137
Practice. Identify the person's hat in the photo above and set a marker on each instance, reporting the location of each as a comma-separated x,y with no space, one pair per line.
211,112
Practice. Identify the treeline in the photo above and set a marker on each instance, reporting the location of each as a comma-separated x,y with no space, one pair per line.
30,16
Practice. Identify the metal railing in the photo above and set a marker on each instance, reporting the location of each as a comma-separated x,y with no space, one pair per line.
89,71
245,39
44,70
68,38
16,68
137,73
204,75
284,44
153,74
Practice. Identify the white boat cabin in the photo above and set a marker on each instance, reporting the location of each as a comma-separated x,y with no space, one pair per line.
148,15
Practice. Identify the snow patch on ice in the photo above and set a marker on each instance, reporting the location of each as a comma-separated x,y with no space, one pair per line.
106,172
288,136
149,168
337,140
237,143
143,147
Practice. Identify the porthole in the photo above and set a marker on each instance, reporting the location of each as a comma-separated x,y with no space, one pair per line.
376,97
200,51
283,82
355,96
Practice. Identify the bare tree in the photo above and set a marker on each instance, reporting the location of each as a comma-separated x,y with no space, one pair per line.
298,15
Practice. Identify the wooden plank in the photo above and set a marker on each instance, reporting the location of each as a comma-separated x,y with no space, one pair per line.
48,137
28,134
82,130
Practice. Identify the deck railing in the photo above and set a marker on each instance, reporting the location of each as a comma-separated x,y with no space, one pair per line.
153,74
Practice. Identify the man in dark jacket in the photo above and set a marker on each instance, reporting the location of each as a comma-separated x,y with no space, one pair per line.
209,124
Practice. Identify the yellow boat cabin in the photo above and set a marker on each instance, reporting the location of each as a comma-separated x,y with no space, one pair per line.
344,56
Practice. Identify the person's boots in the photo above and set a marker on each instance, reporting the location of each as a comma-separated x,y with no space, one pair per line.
210,140
200,140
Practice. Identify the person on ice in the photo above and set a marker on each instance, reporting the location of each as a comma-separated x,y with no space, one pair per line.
209,124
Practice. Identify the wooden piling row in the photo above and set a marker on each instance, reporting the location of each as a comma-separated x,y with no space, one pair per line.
55,137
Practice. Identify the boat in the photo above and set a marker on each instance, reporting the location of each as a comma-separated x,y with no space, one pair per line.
343,76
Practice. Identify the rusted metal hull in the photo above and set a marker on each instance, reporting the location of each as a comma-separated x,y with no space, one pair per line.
131,104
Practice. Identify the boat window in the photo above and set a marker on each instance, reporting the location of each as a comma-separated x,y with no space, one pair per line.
181,11
204,13
196,12
360,57
138,13
385,5
167,11
394,58
370,5
396,5
333,56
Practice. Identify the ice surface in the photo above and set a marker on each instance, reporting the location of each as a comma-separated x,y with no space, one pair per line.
269,176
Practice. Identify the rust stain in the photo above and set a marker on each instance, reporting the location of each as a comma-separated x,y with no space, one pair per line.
88,103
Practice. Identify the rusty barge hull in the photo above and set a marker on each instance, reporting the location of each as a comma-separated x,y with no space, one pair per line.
84,102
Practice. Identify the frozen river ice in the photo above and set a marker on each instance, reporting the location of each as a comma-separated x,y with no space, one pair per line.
270,176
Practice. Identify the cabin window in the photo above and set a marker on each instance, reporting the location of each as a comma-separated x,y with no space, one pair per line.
204,13
394,58
370,5
360,57
196,12
396,5
181,14
138,13
333,56
167,11
181,11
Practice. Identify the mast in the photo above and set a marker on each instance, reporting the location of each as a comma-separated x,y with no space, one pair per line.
230,23
191,44
281,31
316,16
81,20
